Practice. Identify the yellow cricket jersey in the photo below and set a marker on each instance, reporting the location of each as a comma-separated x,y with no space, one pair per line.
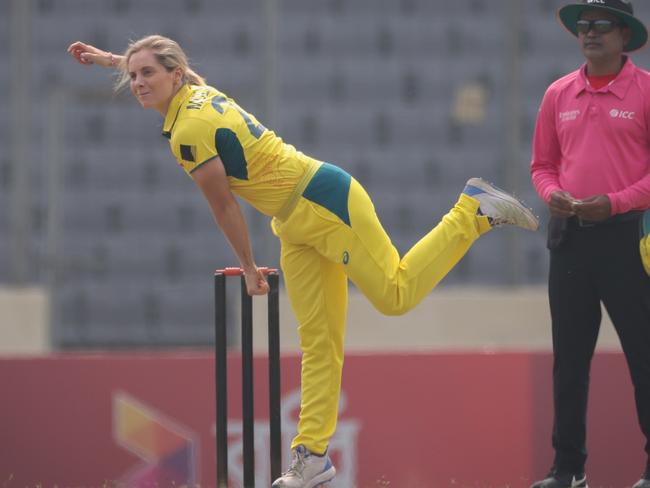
202,123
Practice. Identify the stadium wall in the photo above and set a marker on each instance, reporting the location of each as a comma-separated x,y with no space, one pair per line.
407,420
450,318
24,323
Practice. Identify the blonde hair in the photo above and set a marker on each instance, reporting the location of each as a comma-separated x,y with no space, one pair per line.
167,52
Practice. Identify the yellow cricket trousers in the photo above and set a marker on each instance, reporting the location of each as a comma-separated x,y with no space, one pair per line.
334,234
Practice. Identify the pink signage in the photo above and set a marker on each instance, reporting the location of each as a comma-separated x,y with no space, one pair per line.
406,421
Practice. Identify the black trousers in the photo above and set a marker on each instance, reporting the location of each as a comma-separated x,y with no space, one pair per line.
590,265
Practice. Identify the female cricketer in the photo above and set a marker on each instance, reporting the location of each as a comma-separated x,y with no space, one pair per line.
325,221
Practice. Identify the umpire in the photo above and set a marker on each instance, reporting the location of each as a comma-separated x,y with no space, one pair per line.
591,165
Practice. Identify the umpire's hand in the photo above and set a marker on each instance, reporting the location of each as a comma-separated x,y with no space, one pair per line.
561,204
594,208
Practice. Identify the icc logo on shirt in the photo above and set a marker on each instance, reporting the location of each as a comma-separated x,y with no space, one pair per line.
621,114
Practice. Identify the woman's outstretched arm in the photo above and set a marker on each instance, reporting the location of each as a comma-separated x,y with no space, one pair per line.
88,54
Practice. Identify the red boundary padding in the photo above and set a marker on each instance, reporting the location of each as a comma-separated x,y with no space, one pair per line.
469,419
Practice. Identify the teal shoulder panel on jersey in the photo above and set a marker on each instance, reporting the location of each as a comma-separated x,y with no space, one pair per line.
231,153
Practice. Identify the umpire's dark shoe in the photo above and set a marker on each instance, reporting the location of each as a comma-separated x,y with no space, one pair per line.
558,480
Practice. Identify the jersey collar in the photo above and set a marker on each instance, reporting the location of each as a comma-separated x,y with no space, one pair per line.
174,109
618,86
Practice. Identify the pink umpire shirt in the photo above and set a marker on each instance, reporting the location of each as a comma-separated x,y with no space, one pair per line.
592,142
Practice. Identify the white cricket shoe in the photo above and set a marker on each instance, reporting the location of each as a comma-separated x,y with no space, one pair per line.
500,207
307,470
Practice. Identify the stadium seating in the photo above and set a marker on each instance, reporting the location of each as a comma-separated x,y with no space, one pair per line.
371,85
